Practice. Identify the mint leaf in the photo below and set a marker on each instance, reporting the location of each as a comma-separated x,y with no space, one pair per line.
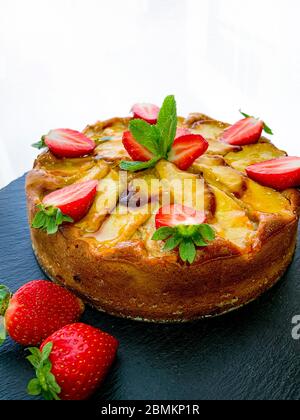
207,232
163,234
187,251
172,243
146,134
40,144
138,166
167,124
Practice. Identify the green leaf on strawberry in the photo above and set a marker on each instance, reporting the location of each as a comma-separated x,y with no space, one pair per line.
40,144
45,383
187,238
267,129
5,297
49,219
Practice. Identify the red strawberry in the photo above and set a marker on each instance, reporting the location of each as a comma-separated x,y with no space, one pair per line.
176,214
73,201
38,309
280,174
146,112
135,150
187,149
69,204
246,131
66,143
72,363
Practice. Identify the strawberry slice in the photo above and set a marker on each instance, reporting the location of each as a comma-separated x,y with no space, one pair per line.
246,131
280,174
146,112
73,201
186,149
65,143
67,205
135,150
176,214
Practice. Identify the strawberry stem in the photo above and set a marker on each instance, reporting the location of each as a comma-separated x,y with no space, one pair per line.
49,219
5,297
45,382
40,144
187,238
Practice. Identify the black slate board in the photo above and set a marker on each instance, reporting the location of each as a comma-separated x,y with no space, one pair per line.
248,354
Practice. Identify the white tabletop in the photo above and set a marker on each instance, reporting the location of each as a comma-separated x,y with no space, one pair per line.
66,63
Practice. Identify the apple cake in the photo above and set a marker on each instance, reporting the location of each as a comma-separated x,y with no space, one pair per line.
97,230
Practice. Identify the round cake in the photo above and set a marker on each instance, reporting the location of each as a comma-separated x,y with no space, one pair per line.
121,256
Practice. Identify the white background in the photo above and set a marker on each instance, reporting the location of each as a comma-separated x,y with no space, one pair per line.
66,63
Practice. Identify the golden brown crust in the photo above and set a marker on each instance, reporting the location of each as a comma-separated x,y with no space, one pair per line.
126,280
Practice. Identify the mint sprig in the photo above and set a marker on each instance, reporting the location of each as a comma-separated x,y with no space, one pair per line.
167,124
158,139
49,219
267,129
40,144
187,238
45,382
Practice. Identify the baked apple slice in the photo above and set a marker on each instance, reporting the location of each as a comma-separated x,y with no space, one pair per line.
255,153
186,188
121,225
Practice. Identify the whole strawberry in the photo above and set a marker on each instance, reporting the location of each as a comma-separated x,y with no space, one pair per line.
38,309
72,363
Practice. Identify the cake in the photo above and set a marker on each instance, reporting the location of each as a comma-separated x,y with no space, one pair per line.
114,255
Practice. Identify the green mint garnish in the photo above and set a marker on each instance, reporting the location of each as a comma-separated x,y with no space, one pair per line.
267,129
138,166
49,219
187,238
167,124
41,144
158,139
45,382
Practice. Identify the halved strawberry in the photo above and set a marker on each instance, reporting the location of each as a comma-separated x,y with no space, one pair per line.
135,150
73,201
146,112
187,149
280,174
69,204
176,214
66,143
246,131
